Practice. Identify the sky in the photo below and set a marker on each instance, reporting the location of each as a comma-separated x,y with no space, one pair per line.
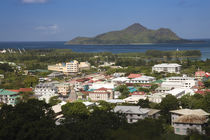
62,20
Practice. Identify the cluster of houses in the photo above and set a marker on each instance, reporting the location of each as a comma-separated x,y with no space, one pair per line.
98,86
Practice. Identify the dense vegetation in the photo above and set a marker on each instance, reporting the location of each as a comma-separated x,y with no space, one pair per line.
134,34
35,120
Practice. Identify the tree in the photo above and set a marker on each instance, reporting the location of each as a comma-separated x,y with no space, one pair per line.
54,100
207,83
25,96
144,103
123,89
30,81
75,111
27,120
168,103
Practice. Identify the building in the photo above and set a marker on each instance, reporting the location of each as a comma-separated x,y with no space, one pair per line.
177,92
142,79
156,97
134,99
184,120
180,82
84,66
166,67
8,97
101,94
135,113
44,91
69,67
200,74
63,88
131,76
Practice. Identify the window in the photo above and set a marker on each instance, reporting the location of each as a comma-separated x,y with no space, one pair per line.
177,130
131,120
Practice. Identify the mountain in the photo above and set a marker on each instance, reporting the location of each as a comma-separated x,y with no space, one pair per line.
134,34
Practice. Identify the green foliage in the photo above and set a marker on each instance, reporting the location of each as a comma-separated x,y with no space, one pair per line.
144,103
54,100
168,103
134,34
30,81
5,68
29,120
196,101
207,83
74,111
123,89
147,129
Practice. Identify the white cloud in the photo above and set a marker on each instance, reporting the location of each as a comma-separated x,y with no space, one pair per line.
49,29
34,1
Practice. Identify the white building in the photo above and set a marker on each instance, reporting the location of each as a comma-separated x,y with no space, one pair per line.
135,113
101,94
156,97
184,120
44,91
135,99
166,67
142,79
180,82
177,92
84,66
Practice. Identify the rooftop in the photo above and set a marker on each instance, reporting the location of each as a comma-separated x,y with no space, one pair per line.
167,65
190,112
191,119
131,109
7,92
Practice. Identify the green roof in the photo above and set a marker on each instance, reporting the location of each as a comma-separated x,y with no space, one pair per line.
7,92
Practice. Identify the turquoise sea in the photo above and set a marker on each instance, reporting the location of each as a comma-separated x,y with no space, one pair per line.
203,47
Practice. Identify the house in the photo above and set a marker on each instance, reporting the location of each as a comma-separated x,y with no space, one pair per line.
177,92
167,67
142,79
8,97
120,80
135,113
84,66
101,94
131,76
44,91
156,97
55,74
184,120
162,89
200,74
135,99
63,88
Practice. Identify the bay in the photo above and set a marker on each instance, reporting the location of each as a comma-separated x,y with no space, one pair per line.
203,47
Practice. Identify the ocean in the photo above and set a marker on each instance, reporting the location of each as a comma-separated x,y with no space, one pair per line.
203,47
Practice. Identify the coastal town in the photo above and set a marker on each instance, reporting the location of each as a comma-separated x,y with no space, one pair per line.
67,82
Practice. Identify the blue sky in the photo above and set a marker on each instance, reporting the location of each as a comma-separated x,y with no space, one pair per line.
61,20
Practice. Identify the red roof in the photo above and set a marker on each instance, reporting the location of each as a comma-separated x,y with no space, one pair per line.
99,93
200,73
13,90
25,89
134,75
137,93
101,89
207,74
21,90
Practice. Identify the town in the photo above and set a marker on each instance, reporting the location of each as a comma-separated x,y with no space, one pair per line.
164,90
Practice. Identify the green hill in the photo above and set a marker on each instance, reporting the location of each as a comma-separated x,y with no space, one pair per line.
134,34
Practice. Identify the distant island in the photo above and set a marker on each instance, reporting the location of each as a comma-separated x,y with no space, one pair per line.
134,34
